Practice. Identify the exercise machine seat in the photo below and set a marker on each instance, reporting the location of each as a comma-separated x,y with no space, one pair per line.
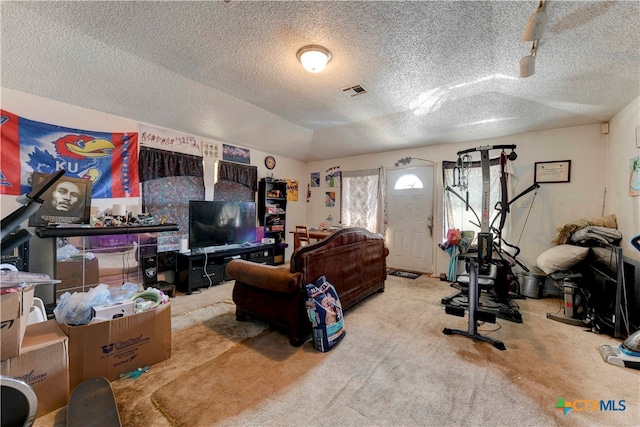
485,281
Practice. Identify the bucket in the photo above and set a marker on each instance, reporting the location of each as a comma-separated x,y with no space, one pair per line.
533,285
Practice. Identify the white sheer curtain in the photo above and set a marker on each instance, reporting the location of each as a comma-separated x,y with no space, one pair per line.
456,214
360,199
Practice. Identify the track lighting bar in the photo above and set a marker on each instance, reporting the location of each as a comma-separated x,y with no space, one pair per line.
533,32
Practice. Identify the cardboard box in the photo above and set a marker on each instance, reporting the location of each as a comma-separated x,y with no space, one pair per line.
77,275
43,364
113,347
14,314
113,311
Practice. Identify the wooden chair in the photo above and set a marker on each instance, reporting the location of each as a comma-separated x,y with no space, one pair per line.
300,237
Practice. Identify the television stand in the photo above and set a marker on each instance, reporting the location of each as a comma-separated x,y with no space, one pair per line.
220,248
197,269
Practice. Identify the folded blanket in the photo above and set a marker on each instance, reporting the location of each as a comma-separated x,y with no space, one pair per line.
602,234
565,232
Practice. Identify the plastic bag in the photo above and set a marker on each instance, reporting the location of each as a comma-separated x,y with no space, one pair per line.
126,291
75,309
65,252
325,314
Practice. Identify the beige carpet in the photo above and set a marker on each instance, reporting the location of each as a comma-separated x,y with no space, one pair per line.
394,367
239,379
203,326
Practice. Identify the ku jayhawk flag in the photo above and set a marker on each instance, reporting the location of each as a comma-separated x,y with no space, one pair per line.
109,160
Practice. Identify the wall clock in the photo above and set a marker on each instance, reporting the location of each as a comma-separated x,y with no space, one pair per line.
270,162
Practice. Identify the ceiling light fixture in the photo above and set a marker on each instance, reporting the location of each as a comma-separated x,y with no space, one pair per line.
528,63
536,23
314,58
533,32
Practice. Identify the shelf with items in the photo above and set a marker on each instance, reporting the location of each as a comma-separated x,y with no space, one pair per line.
198,270
272,210
86,256
274,223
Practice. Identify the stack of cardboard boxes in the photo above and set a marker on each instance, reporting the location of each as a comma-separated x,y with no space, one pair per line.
36,354
15,304
53,359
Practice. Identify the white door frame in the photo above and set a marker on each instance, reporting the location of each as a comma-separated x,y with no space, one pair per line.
432,176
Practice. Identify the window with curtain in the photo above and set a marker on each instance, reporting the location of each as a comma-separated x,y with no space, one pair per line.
360,199
456,214
236,182
169,181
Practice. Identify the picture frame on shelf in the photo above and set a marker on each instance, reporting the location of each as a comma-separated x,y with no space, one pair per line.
556,171
68,201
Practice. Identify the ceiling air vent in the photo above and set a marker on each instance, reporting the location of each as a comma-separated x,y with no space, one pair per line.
354,90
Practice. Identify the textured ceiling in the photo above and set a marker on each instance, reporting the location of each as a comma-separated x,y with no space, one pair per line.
435,72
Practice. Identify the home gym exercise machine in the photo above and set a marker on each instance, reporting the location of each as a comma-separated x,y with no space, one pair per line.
482,268
11,233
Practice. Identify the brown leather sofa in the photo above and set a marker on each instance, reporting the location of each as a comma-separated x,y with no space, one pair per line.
353,260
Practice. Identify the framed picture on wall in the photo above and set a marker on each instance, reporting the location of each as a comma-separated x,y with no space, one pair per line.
555,171
68,201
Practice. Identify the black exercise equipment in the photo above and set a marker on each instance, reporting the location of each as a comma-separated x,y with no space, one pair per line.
475,314
11,235
485,273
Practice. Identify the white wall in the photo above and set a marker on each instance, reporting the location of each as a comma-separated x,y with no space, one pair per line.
598,162
622,147
57,113
554,205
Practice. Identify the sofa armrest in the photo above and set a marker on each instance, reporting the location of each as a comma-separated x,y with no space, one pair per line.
267,277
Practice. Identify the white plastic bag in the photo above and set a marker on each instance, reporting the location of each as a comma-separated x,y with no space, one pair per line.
75,309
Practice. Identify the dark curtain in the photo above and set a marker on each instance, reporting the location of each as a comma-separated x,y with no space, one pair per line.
154,164
236,182
242,174
169,181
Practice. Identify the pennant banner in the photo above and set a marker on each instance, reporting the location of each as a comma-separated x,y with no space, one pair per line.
109,160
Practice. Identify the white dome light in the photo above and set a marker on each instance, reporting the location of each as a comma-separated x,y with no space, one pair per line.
314,58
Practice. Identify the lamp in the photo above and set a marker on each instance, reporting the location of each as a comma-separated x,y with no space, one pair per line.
314,58
533,32
536,23
528,63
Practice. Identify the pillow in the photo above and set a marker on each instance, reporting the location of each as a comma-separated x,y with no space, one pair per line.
561,257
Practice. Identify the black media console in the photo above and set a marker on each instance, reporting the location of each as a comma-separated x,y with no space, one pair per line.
199,270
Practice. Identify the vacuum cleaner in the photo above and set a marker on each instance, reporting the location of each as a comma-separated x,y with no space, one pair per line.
626,354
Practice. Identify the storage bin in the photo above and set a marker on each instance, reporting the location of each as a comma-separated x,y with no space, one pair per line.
532,285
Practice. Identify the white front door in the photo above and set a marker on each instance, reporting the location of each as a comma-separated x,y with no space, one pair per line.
410,218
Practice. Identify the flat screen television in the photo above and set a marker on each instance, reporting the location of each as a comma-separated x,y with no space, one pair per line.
214,223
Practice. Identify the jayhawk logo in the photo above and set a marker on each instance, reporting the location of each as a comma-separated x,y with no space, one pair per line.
77,154
83,146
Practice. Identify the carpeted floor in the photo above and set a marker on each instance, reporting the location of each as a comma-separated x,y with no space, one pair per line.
394,367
